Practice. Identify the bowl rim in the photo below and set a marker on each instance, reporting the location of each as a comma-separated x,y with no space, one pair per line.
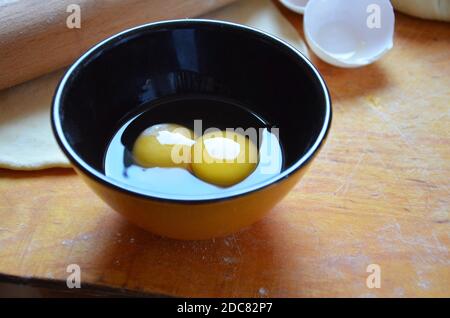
85,167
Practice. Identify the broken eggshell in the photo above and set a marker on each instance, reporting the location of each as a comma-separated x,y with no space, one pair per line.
295,5
349,33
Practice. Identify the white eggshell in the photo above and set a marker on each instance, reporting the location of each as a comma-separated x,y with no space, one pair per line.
295,5
349,33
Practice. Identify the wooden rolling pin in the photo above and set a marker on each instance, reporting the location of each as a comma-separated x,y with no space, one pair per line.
35,38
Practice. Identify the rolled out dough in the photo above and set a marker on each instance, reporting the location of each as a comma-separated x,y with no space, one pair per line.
263,15
26,140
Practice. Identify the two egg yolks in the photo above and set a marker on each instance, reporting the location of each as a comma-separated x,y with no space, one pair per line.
223,158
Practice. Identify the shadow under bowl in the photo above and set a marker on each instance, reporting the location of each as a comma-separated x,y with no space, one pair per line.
180,58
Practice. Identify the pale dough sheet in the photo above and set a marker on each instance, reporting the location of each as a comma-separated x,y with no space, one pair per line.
263,15
26,139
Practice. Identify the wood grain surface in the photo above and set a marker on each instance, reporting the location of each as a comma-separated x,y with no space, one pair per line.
377,194
35,39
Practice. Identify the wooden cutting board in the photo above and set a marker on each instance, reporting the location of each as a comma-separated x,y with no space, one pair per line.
377,194
35,37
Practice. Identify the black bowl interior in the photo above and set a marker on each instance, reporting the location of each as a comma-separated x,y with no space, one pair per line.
182,58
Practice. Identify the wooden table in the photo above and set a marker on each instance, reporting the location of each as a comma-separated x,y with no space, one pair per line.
377,194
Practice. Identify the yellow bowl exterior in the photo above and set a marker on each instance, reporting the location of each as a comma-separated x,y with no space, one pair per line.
194,220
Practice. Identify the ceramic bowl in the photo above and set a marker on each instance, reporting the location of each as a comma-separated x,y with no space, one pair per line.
173,58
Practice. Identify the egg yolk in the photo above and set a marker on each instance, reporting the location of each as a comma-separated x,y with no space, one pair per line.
223,158
164,145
